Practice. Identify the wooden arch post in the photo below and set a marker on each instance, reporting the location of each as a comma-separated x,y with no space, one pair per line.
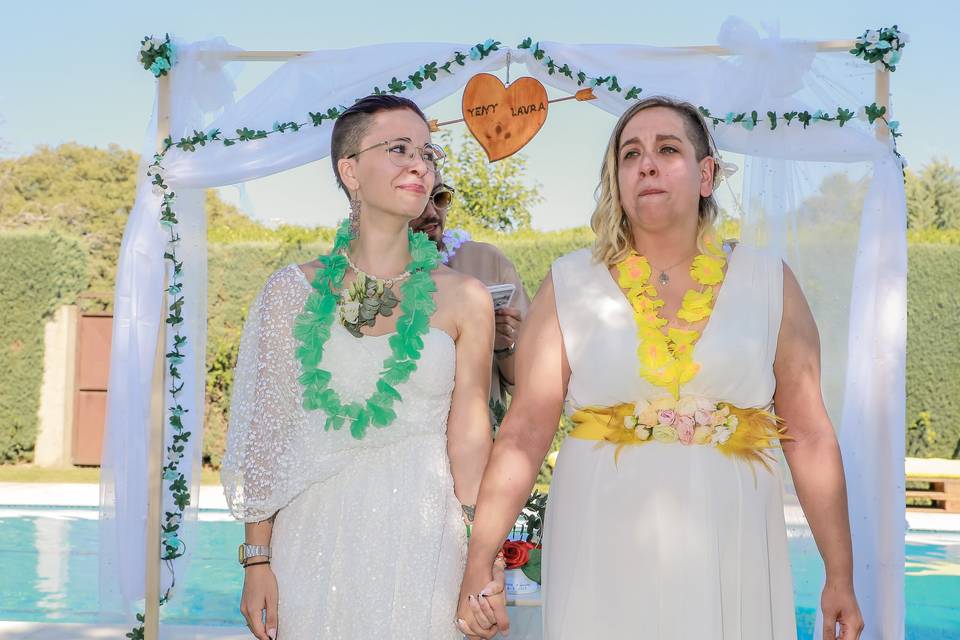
158,393
151,613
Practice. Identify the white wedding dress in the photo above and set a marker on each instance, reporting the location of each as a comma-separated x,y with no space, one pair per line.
669,542
368,540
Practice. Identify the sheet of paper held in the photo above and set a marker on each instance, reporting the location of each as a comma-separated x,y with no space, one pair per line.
502,295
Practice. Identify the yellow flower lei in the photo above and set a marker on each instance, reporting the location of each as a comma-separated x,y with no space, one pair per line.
666,360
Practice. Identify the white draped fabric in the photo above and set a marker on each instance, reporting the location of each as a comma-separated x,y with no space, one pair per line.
830,199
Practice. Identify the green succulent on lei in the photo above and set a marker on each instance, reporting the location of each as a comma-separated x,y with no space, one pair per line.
312,331
363,301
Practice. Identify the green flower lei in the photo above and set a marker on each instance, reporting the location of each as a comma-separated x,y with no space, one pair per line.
312,330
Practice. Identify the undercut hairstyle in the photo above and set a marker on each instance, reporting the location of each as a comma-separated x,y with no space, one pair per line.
352,125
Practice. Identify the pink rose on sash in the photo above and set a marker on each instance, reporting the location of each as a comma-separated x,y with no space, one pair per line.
685,425
666,416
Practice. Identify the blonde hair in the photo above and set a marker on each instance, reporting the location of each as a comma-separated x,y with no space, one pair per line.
609,222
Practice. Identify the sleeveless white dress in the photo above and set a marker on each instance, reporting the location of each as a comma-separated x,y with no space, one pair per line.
672,541
368,540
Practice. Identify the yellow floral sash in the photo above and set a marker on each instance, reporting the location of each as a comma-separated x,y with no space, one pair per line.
748,434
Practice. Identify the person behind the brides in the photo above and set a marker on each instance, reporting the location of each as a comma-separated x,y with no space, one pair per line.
488,264
672,353
359,422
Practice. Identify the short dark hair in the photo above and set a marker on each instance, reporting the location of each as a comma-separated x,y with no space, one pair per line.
352,125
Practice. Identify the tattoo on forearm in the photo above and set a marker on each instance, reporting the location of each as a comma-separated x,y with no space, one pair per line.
469,510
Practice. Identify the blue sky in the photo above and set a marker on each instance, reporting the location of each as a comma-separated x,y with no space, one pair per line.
68,71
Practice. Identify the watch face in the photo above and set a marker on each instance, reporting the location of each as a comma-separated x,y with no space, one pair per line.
241,554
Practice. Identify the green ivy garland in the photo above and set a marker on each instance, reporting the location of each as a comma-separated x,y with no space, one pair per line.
312,331
748,120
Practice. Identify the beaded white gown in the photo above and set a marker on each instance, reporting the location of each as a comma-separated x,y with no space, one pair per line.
670,542
368,540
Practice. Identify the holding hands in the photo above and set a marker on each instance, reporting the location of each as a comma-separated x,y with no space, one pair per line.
482,612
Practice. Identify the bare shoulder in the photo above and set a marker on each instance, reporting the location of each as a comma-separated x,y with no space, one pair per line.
798,329
544,305
309,269
468,291
793,298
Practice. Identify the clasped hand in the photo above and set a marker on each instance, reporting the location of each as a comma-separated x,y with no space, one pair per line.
482,612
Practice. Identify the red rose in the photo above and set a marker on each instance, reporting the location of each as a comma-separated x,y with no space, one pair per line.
516,554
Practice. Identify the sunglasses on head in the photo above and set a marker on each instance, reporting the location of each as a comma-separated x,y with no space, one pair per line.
442,197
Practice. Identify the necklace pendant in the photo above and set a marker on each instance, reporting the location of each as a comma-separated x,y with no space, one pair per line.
664,279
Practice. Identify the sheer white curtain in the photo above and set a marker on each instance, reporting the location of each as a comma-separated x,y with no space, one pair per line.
201,87
849,250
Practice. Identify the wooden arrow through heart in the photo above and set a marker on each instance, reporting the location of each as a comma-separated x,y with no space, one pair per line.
504,119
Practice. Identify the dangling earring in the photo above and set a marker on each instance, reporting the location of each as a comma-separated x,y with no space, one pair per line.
354,216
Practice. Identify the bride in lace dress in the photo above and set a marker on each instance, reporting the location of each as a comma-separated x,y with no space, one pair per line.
359,426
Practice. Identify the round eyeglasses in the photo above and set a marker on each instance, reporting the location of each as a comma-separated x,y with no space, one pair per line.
402,152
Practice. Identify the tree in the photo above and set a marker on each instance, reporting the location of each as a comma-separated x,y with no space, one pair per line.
87,193
489,195
836,195
933,196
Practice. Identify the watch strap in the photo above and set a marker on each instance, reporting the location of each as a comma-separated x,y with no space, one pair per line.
248,551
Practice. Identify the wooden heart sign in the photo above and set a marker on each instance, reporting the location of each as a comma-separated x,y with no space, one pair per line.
503,119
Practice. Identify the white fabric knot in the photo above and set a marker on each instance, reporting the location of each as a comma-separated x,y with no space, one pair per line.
214,86
203,84
777,65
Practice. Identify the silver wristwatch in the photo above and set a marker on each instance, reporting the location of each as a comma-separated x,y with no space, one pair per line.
248,551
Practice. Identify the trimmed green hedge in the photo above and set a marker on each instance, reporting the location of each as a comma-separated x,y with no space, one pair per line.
38,273
533,258
933,350
238,271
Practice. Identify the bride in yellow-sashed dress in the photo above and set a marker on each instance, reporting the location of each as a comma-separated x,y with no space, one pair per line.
683,362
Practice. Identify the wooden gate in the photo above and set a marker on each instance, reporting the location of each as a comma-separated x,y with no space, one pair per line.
90,400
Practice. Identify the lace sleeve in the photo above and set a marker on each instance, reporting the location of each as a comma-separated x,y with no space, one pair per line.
261,462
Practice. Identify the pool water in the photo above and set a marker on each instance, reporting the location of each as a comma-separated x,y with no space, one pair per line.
49,573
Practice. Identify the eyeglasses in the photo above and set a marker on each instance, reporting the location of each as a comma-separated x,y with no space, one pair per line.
442,197
402,153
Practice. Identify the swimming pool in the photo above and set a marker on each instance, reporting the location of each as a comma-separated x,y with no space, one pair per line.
49,573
